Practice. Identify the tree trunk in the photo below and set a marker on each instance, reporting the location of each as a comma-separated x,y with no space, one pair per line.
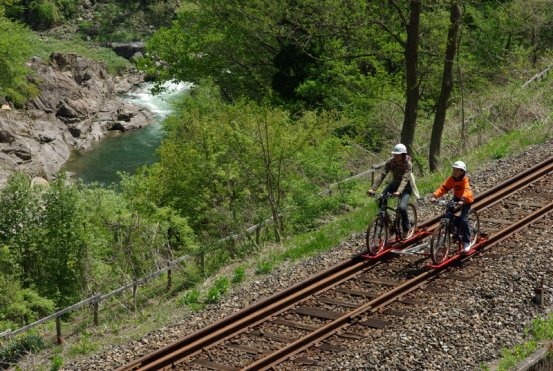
411,81
447,85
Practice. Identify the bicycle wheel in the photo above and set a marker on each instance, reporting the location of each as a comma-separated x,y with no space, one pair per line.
439,244
474,226
377,235
413,219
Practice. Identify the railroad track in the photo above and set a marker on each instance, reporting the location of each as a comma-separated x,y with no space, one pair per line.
302,324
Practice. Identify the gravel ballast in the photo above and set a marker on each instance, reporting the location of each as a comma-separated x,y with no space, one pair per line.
463,328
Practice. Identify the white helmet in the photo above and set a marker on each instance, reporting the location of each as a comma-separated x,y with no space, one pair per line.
460,165
399,149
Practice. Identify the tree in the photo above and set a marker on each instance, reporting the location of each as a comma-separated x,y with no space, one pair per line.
20,226
531,24
226,166
14,43
411,75
289,51
447,85
63,250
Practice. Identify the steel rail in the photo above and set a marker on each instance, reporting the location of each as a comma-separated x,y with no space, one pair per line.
331,328
244,319
493,195
336,325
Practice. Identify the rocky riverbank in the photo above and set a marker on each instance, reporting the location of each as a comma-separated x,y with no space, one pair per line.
79,103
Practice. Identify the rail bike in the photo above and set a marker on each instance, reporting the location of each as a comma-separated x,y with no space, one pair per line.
446,241
442,245
386,231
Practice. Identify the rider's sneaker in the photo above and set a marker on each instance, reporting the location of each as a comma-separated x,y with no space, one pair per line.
466,246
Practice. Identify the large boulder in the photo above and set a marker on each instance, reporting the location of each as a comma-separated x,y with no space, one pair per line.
129,50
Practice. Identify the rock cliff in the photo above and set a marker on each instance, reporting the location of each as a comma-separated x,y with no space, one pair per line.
79,103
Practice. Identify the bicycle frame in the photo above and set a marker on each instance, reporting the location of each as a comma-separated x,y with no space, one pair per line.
385,225
385,211
450,220
448,234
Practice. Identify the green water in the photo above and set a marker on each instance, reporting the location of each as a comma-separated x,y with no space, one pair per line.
126,152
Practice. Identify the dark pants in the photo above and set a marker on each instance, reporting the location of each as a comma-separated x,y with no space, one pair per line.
403,202
463,221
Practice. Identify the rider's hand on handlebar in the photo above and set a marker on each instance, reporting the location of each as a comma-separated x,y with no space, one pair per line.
370,192
396,194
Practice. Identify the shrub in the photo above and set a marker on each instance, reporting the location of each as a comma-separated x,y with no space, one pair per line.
84,346
219,288
57,362
264,267
239,275
500,151
191,299
44,14
17,348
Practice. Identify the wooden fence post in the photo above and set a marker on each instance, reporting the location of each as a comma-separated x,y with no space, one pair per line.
169,277
372,178
134,290
59,339
95,309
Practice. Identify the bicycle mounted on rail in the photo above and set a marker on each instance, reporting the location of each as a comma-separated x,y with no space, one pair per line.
449,233
388,224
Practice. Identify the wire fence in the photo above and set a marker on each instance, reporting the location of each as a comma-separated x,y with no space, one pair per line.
93,303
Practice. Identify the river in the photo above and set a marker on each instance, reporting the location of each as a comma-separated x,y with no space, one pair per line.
126,152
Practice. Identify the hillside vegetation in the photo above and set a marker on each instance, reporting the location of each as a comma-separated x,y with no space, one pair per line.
289,98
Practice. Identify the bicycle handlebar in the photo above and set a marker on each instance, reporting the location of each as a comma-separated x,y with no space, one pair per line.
447,203
382,195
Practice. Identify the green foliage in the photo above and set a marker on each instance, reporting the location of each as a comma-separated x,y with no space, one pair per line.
500,151
125,21
26,306
219,288
64,244
239,275
58,239
40,14
57,362
19,347
127,234
85,345
264,267
513,356
191,299
318,54
20,224
43,226
44,14
542,328
226,166
14,43
45,46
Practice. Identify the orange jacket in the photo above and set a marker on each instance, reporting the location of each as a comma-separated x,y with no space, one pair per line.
461,189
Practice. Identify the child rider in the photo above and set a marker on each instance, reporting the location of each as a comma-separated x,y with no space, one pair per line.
462,194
